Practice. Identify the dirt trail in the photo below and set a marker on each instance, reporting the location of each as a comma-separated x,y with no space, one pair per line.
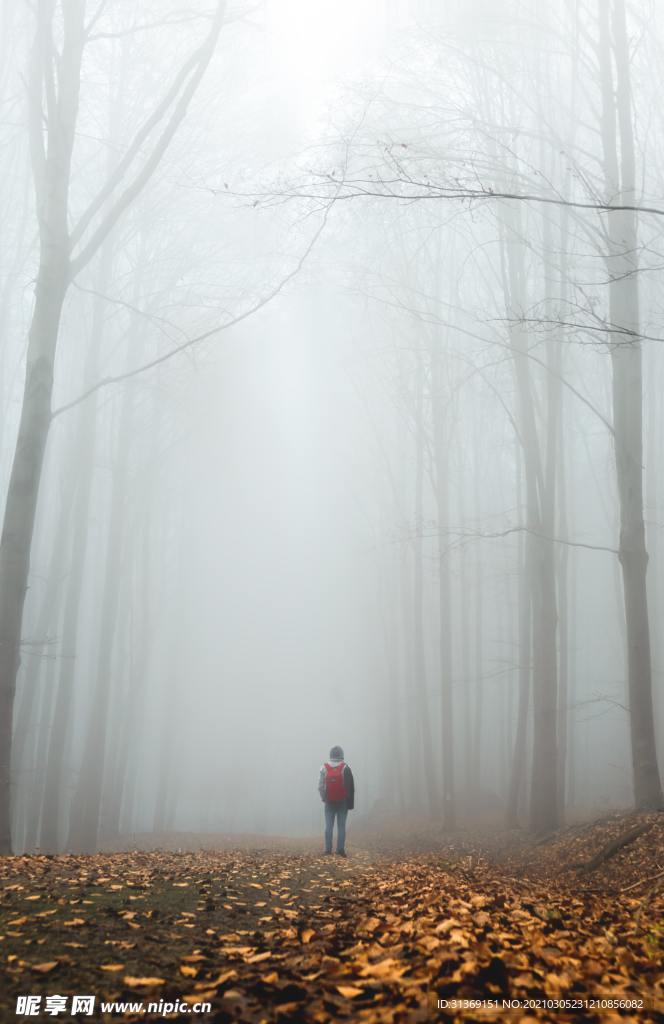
272,935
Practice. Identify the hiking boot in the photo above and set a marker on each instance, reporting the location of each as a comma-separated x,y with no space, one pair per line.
341,853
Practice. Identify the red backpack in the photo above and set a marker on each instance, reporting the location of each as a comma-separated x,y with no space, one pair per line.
334,782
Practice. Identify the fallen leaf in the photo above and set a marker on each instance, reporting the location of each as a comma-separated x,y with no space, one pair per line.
133,982
257,958
222,978
45,968
195,997
350,991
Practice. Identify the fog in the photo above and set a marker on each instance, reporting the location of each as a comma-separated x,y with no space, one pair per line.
330,385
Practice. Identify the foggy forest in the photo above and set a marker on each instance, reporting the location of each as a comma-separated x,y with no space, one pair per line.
331,413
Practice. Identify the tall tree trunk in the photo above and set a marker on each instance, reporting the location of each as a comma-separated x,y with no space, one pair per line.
520,750
132,710
477,724
572,728
166,797
418,594
42,728
394,767
478,689
563,638
85,814
54,804
42,643
465,606
627,393
407,634
441,465
52,175
549,523
543,813
555,362
53,817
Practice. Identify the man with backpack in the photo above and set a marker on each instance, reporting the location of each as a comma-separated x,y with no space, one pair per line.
337,791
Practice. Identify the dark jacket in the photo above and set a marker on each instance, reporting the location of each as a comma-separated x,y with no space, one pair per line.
349,784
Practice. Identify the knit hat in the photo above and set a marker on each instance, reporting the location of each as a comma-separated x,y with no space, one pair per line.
336,754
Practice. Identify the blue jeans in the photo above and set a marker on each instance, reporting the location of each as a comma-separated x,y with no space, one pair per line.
337,810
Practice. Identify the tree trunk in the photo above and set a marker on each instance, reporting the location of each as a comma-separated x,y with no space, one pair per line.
52,176
627,393
132,713
465,603
21,508
477,727
543,796
556,572
85,816
441,462
520,750
418,595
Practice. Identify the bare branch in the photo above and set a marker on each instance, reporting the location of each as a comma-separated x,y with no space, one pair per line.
95,17
147,26
410,190
119,378
196,67
427,316
161,321
498,534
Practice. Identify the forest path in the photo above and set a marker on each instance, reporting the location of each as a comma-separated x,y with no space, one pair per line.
270,935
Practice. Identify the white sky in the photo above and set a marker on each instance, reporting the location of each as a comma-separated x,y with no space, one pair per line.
318,44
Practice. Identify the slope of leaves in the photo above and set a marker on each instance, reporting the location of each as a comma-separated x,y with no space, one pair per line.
274,936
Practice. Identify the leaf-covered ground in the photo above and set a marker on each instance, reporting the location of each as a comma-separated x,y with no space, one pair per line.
273,935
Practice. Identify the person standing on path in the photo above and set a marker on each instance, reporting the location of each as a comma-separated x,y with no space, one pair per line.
336,787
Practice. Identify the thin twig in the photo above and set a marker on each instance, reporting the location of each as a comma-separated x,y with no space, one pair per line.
641,881
118,378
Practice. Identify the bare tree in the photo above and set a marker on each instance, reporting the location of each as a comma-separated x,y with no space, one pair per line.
622,261
54,90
